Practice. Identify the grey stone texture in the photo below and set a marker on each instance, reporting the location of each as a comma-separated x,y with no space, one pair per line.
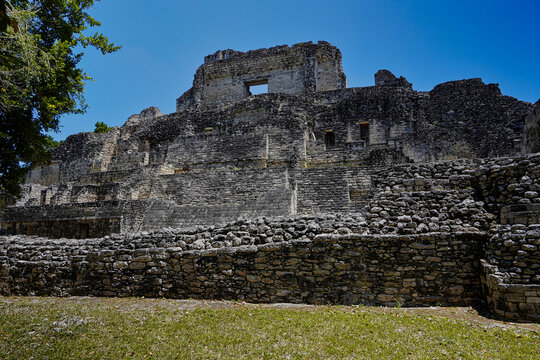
226,75
311,259
312,192
386,78
532,130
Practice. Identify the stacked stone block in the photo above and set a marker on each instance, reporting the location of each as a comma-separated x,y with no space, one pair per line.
311,259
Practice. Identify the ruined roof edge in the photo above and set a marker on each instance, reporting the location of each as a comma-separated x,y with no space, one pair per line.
230,54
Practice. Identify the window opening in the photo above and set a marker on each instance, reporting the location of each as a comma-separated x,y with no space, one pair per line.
364,131
329,139
84,231
144,145
257,87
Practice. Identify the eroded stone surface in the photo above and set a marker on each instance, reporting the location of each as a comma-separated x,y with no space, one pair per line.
532,130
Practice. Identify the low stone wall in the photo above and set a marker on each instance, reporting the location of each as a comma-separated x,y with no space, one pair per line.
511,271
331,258
514,250
308,262
510,301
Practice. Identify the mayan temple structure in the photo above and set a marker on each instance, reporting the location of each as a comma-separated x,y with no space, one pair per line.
310,192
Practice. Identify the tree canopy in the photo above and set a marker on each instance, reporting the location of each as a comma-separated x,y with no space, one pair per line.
101,127
41,46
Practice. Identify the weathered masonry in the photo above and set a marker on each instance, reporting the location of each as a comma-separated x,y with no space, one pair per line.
228,75
311,192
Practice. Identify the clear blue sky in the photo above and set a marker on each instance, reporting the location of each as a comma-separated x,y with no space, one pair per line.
428,42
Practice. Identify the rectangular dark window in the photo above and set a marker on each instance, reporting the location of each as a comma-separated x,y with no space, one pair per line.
364,131
83,230
144,145
329,139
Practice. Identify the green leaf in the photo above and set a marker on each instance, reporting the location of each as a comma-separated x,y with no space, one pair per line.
40,80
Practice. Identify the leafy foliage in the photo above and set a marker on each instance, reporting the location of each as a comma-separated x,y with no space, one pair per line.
39,78
101,127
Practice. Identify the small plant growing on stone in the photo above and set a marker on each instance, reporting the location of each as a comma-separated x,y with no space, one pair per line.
101,128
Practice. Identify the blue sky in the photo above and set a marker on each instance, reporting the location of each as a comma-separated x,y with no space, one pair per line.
428,42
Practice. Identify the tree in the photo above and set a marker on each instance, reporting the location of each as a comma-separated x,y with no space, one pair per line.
41,43
101,127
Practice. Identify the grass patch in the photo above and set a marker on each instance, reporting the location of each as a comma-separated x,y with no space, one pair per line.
98,328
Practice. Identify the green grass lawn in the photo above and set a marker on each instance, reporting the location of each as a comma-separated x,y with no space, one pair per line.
106,328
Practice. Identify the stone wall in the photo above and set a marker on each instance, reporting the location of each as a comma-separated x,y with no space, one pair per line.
92,219
321,259
457,195
226,75
516,302
511,271
219,196
322,190
459,122
531,132
510,188
511,275
513,249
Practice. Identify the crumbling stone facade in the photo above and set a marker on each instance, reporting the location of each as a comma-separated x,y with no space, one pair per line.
227,75
312,192
532,130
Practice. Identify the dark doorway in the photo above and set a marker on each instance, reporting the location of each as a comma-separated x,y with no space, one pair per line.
83,231
329,139
364,131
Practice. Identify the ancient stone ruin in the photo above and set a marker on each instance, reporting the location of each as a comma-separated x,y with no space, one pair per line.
309,192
